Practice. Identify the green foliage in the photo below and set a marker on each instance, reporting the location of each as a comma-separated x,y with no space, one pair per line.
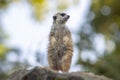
3,3
40,7
107,15
3,50
64,4
103,18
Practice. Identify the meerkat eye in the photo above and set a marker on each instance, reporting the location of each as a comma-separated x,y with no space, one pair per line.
62,14
54,18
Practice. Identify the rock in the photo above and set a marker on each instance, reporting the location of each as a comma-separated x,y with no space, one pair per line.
44,73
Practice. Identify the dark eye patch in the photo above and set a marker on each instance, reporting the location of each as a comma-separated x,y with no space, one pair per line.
54,18
62,14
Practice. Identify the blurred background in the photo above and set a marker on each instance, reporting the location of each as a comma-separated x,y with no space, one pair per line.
94,24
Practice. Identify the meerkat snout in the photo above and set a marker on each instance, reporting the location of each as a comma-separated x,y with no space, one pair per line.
60,18
67,17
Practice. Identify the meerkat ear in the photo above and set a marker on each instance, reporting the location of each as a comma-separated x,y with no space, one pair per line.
54,18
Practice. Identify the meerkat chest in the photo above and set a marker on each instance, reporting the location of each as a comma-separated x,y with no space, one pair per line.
59,37
59,32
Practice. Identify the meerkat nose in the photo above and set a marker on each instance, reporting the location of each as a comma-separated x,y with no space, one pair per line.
68,17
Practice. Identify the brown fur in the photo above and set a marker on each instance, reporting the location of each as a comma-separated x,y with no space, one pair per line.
60,47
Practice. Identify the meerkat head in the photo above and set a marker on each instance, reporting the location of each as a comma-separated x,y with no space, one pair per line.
60,18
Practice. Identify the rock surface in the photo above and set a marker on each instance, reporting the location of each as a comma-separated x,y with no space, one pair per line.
42,73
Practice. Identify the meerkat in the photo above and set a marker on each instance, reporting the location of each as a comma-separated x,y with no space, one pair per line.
60,48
